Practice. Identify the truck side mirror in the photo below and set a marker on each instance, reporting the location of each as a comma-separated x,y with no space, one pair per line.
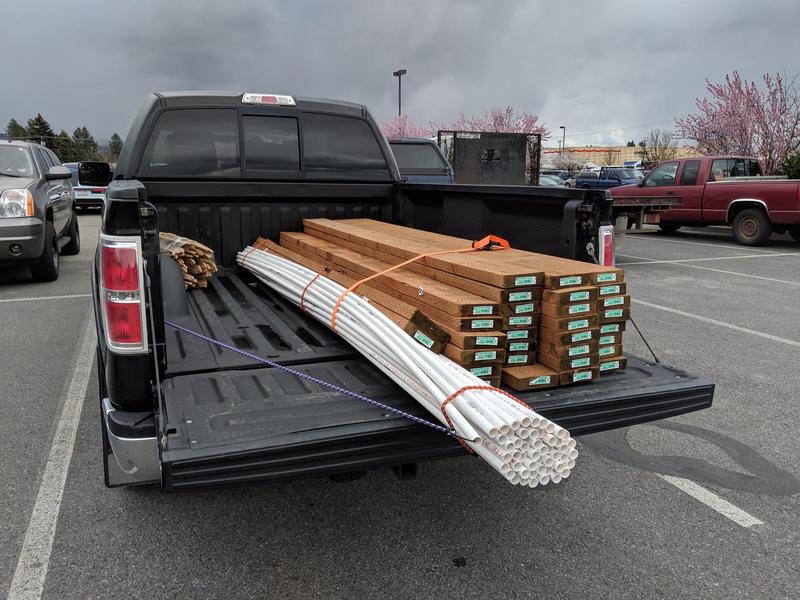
92,173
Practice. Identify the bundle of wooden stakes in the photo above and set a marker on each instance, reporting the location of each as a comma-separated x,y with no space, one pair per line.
535,320
195,260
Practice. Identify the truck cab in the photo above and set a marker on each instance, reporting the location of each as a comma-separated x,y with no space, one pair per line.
607,178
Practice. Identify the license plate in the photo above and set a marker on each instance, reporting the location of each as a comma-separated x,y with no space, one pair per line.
81,192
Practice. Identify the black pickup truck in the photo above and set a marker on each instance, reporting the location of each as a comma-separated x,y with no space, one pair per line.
225,168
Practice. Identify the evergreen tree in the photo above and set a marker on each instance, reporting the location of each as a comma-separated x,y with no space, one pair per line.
115,145
85,146
64,147
15,131
39,130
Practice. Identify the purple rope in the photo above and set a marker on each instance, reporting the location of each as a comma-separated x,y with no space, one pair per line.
319,382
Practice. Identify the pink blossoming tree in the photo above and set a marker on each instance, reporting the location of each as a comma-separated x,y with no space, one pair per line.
401,126
500,120
740,117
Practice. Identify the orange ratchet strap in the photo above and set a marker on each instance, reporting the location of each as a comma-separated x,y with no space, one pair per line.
305,289
490,242
467,388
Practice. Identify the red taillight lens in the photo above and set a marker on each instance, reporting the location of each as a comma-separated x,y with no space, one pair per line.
122,294
124,322
98,190
120,269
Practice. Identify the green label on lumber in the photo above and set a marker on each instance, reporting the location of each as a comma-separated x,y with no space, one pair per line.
575,280
481,371
580,362
610,365
519,296
582,336
482,324
607,351
520,334
614,301
482,310
613,313
525,280
540,380
487,340
610,328
582,376
517,359
520,320
486,355
607,339
518,347
578,350
423,339
609,289
603,277
579,308
523,308
578,296
580,324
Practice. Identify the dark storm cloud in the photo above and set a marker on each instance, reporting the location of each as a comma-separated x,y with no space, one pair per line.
592,66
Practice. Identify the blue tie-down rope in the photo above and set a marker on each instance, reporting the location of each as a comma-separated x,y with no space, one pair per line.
320,382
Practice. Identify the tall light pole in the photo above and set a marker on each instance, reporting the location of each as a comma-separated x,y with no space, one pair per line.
563,137
399,74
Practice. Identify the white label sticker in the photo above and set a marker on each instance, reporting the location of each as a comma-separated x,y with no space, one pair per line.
486,355
482,324
578,296
520,334
519,296
482,310
531,280
575,280
423,339
540,380
578,350
582,376
582,336
608,366
579,308
486,340
580,324
603,277
518,347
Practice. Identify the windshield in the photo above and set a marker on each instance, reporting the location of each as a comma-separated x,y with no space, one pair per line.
415,158
15,161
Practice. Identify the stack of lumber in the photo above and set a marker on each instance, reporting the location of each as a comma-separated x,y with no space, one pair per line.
195,260
508,313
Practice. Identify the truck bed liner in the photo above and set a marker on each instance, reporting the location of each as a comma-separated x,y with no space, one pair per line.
247,423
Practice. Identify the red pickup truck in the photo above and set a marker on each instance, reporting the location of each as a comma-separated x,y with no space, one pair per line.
721,190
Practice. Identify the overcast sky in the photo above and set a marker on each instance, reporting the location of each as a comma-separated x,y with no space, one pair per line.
591,66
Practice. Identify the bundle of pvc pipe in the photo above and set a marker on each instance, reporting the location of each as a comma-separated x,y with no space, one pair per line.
526,448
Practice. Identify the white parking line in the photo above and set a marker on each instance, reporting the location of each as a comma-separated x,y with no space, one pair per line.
710,499
34,298
643,262
652,261
730,246
682,313
29,576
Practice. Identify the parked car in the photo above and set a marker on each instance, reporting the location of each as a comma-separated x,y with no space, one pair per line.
420,160
86,196
606,178
722,190
551,180
562,174
38,221
179,412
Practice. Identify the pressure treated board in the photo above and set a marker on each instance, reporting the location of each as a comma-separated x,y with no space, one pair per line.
474,357
520,358
407,243
570,376
513,346
617,327
571,295
612,365
520,321
605,352
444,297
571,324
611,289
613,302
520,308
469,340
565,338
530,377
614,315
494,293
608,339
576,309
530,334
569,351
565,364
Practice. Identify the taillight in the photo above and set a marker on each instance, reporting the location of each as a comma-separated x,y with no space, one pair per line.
121,283
606,237
98,190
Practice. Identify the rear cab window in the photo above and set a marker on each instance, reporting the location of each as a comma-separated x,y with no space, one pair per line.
230,143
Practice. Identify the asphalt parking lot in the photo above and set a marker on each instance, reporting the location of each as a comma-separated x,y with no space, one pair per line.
701,506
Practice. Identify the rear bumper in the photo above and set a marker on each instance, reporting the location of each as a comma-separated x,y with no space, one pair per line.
90,201
26,235
134,459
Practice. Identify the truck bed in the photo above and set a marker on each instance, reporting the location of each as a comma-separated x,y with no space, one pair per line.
233,421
